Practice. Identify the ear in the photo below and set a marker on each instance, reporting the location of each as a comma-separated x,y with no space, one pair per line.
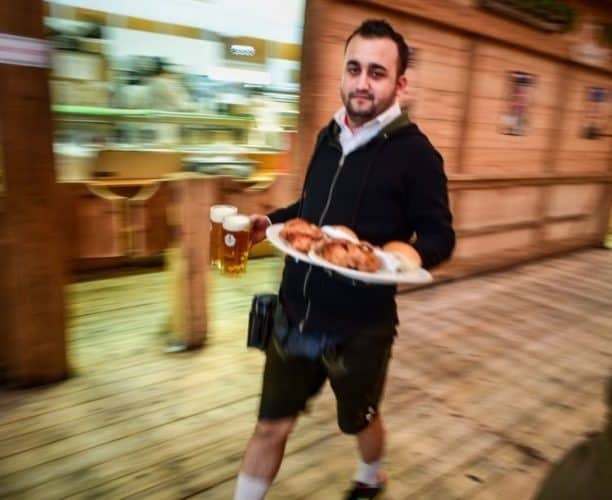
402,81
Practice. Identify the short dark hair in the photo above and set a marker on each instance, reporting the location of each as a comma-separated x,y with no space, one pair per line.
379,28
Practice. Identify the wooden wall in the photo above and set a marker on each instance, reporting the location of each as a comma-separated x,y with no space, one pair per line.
32,273
513,196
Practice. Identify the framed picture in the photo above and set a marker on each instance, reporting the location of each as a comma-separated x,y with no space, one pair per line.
515,119
595,114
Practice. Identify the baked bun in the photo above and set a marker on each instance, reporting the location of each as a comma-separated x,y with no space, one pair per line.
406,255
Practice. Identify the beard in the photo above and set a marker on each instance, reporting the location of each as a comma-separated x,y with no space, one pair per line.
363,112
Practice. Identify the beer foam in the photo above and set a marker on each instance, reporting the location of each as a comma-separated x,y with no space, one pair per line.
236,223
218,212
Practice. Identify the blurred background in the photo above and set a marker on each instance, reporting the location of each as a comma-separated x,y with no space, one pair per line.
122,122
201,76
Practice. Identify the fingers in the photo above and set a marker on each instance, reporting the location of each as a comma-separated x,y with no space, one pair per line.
259,223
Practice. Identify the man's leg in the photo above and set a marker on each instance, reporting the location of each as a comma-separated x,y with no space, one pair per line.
288,383
266,448
262,458
371,440
371,443
357,372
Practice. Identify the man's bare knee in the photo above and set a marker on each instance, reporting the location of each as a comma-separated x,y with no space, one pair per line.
276,431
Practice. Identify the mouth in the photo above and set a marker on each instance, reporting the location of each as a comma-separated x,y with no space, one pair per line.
365,97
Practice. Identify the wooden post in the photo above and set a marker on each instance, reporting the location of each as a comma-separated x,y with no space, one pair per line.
604,209
32,309
191,196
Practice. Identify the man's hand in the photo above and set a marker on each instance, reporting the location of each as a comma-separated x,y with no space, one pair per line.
259,224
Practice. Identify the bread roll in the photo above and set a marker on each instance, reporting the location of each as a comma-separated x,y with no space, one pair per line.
407,256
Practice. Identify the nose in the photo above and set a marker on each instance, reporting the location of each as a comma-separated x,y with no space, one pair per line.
363,81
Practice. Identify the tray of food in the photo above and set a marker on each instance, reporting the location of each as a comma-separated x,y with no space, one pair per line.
338,249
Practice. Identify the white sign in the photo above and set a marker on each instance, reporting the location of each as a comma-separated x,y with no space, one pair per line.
24,51
242,50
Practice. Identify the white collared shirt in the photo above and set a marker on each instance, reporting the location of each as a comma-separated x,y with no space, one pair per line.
350,140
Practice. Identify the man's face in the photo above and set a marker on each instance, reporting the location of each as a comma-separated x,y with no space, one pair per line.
369,80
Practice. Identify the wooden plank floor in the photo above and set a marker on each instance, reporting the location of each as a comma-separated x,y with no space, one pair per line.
493,379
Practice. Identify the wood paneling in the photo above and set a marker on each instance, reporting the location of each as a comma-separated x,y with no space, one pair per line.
22,18
137,164
140,24
147,220
5,292
491,244
289,51
503,206
100,216
455,16
90,15
487,148
572,199
575,151
505,189
33,285
586,227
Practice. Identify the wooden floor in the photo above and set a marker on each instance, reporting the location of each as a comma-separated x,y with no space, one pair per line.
493,379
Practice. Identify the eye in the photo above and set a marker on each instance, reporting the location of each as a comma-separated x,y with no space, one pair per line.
353,70
377,73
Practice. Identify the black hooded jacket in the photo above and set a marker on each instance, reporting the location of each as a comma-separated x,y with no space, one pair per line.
392,188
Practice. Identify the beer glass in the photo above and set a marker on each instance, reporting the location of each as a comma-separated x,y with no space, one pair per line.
236,244
217,213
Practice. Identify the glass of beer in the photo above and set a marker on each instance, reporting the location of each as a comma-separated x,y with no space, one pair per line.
217,213
236,244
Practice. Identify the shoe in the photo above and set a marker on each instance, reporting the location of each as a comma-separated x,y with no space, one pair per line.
361,491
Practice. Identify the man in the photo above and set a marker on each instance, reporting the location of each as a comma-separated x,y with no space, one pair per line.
375,172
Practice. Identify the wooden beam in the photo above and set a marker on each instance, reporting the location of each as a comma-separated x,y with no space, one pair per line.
472,20
187,257
32,307
554,144
462,182
310,89
516,226
604,209
462,136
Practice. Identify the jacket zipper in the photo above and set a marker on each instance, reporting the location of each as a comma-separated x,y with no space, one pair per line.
323,214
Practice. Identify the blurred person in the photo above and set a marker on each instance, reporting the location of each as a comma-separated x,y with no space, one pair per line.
585,472
167,89
132,93
375,172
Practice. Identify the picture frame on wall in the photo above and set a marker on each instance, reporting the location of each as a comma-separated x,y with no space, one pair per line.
596,103
519,99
